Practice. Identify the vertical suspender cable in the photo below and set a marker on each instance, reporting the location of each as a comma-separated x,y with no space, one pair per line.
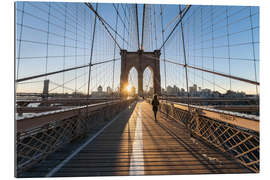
185,59
137,24
76,48
20,42
228,42
155,25
143,26
130,27
165,78
116,28
151,29
84,52
124,33
129,34
202,46
253,49
212,32
64,57
91,55
194,46
47,42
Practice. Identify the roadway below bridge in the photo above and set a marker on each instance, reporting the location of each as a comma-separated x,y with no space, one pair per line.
134,144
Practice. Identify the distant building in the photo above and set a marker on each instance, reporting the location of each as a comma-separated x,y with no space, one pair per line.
182,92
196,91
205,93
99,92
170,90
193,90
233,94
173,91
109,90
216,94
99,88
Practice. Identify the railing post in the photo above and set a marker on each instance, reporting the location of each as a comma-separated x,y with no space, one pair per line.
197,121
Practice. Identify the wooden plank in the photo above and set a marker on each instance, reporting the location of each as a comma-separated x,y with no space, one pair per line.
110,153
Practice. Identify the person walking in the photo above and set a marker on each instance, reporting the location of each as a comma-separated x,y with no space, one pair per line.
155,104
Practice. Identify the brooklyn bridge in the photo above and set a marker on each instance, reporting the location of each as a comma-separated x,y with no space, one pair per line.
86,74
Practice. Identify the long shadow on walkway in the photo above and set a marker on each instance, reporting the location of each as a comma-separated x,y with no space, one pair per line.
96,157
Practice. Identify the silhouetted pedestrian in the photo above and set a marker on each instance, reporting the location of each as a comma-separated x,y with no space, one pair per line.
155,104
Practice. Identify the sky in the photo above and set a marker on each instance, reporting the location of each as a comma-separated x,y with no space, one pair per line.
219,38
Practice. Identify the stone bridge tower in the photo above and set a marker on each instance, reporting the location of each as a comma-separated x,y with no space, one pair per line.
140,60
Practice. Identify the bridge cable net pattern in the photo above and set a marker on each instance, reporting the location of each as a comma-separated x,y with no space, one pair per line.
217,39
55,37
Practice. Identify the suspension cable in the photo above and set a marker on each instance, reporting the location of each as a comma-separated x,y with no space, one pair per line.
103,23
64,70
137,24
228,42
217,73
118,14
47,42
114,51
143,27
155,26
202,53
91,54
253,49
165,76
180,20
185,60
20,41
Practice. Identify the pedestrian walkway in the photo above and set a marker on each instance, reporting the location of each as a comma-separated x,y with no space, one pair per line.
134,144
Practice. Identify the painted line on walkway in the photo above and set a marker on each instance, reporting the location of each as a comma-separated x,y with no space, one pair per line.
65,161
137,148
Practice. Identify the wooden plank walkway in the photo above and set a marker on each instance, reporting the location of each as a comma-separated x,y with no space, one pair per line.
137,145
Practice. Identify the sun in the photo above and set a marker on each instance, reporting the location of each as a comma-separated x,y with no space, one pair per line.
128,88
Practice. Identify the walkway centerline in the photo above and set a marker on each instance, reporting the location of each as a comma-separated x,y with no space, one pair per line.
137,147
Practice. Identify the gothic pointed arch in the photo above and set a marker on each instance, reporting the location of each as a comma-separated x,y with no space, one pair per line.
140,60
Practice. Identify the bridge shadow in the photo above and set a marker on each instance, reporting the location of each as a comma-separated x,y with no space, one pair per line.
98,158
110,152
189,148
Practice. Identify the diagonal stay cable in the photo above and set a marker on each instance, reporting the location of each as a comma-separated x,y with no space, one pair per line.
137,25
180,20
120,17
61,85
104,23
64,70
171,22
143,26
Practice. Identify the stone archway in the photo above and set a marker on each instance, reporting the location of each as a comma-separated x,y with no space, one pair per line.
148,81
140,60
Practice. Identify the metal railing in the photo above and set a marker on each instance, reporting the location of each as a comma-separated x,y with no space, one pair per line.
230,133
35,143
